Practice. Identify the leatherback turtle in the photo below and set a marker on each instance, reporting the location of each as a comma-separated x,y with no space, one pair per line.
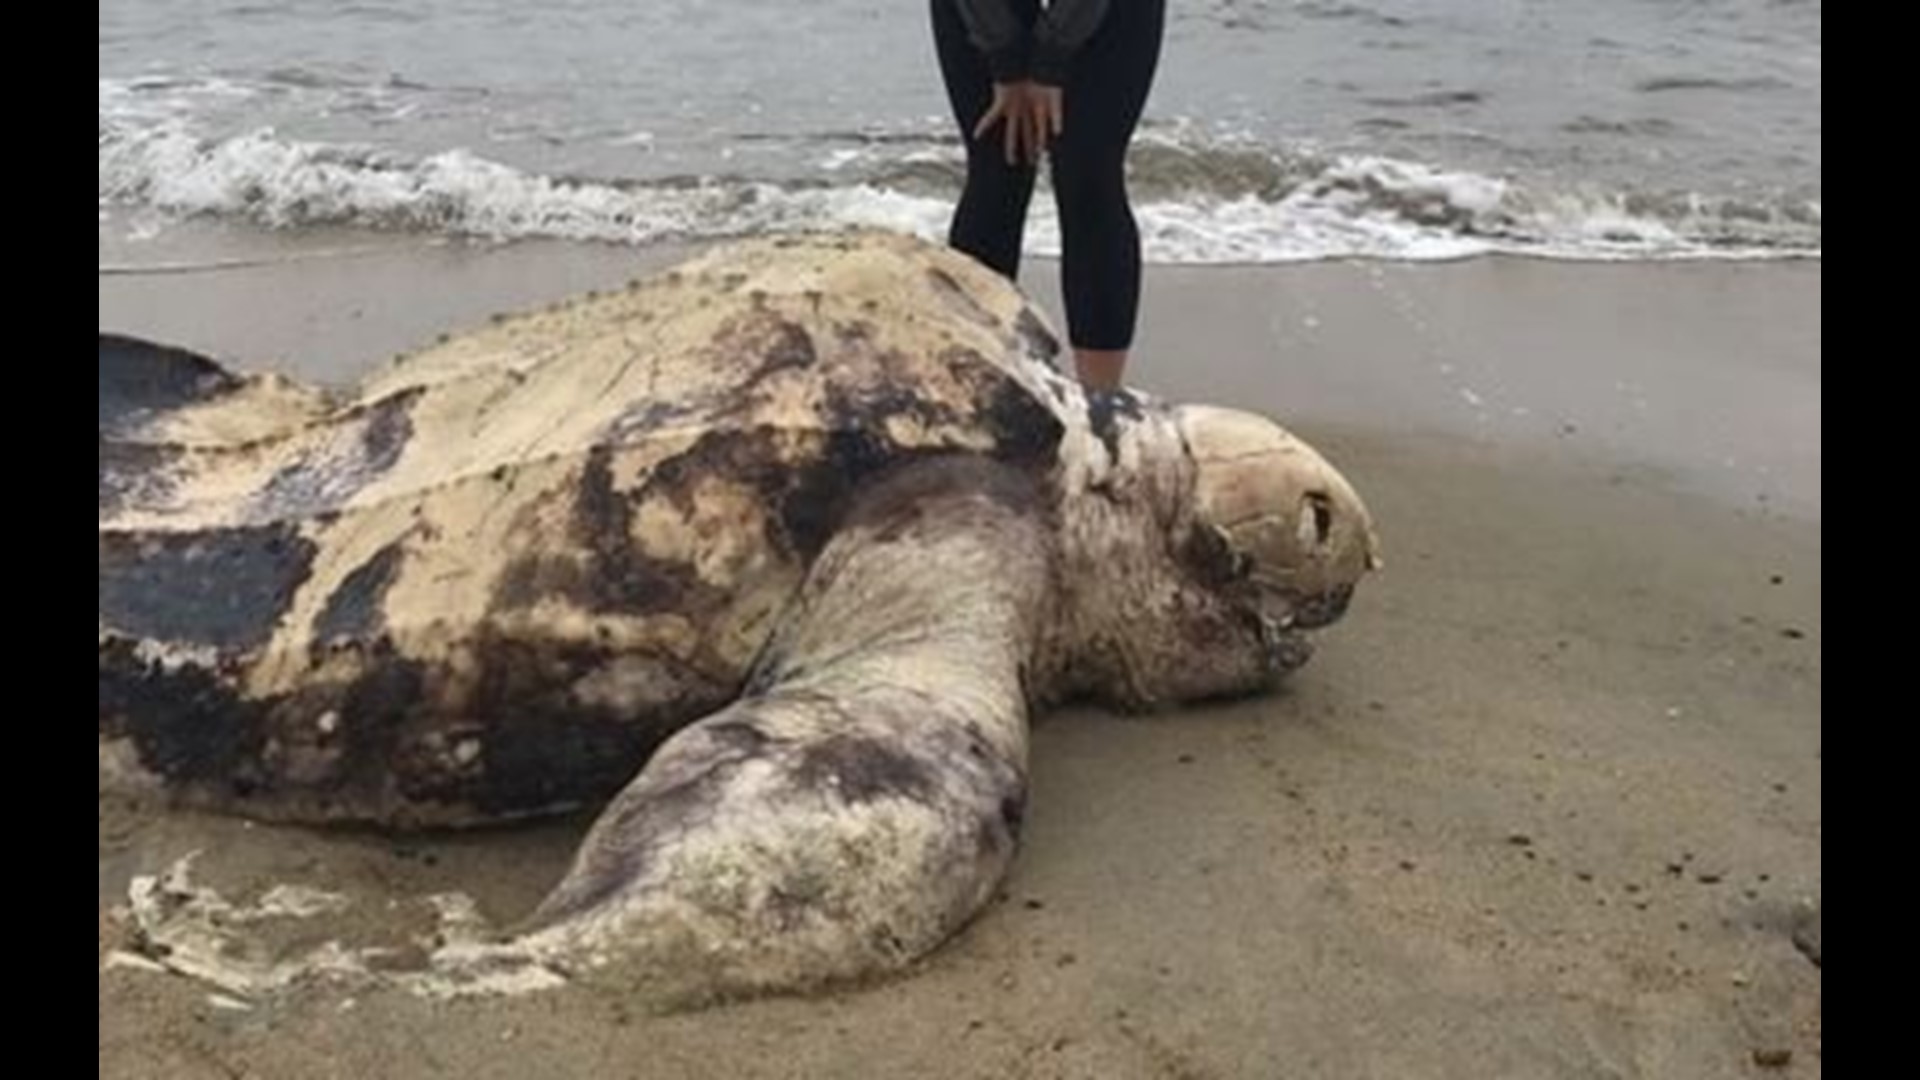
773,554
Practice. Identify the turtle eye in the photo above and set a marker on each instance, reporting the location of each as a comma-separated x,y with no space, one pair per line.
1316,519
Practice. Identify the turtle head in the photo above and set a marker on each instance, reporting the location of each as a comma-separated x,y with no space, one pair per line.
1258,543
1209,546
1290,526
1273,534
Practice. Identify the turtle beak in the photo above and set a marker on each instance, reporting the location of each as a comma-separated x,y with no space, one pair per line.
1323,610
1282,644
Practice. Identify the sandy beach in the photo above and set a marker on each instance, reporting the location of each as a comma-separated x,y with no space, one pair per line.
1546,804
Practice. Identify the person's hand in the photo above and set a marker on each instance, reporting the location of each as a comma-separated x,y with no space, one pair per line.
1030,116
1009,111
1046,113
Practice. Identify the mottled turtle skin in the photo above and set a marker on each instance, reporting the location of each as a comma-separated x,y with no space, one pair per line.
773,554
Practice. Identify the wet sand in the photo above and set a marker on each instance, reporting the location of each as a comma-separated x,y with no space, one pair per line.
1547,804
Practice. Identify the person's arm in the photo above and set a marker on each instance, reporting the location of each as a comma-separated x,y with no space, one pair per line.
1063,28
996,31
1013,54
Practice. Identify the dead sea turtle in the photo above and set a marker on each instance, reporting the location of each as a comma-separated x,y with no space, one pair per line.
773,554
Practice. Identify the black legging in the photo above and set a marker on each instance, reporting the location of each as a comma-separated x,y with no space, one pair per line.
1104,94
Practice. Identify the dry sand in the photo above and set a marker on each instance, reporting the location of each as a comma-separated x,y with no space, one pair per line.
1546,805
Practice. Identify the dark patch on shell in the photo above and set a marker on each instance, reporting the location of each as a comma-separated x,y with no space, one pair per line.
226,588
809,488
361,756
861,769
538,745
187,724
357,455
1039,342
791,349
135,474
622,578
1105,411
354,610
388,430
1025,430
617,576
322,753
396,741
810,509
139,379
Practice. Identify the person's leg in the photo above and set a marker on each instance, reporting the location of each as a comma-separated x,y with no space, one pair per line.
1100,264
992,214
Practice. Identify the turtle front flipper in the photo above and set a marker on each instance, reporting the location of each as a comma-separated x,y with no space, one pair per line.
863,800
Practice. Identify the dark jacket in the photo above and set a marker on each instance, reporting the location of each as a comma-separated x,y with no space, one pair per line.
1041,52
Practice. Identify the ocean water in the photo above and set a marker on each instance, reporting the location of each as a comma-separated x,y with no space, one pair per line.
1279,130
